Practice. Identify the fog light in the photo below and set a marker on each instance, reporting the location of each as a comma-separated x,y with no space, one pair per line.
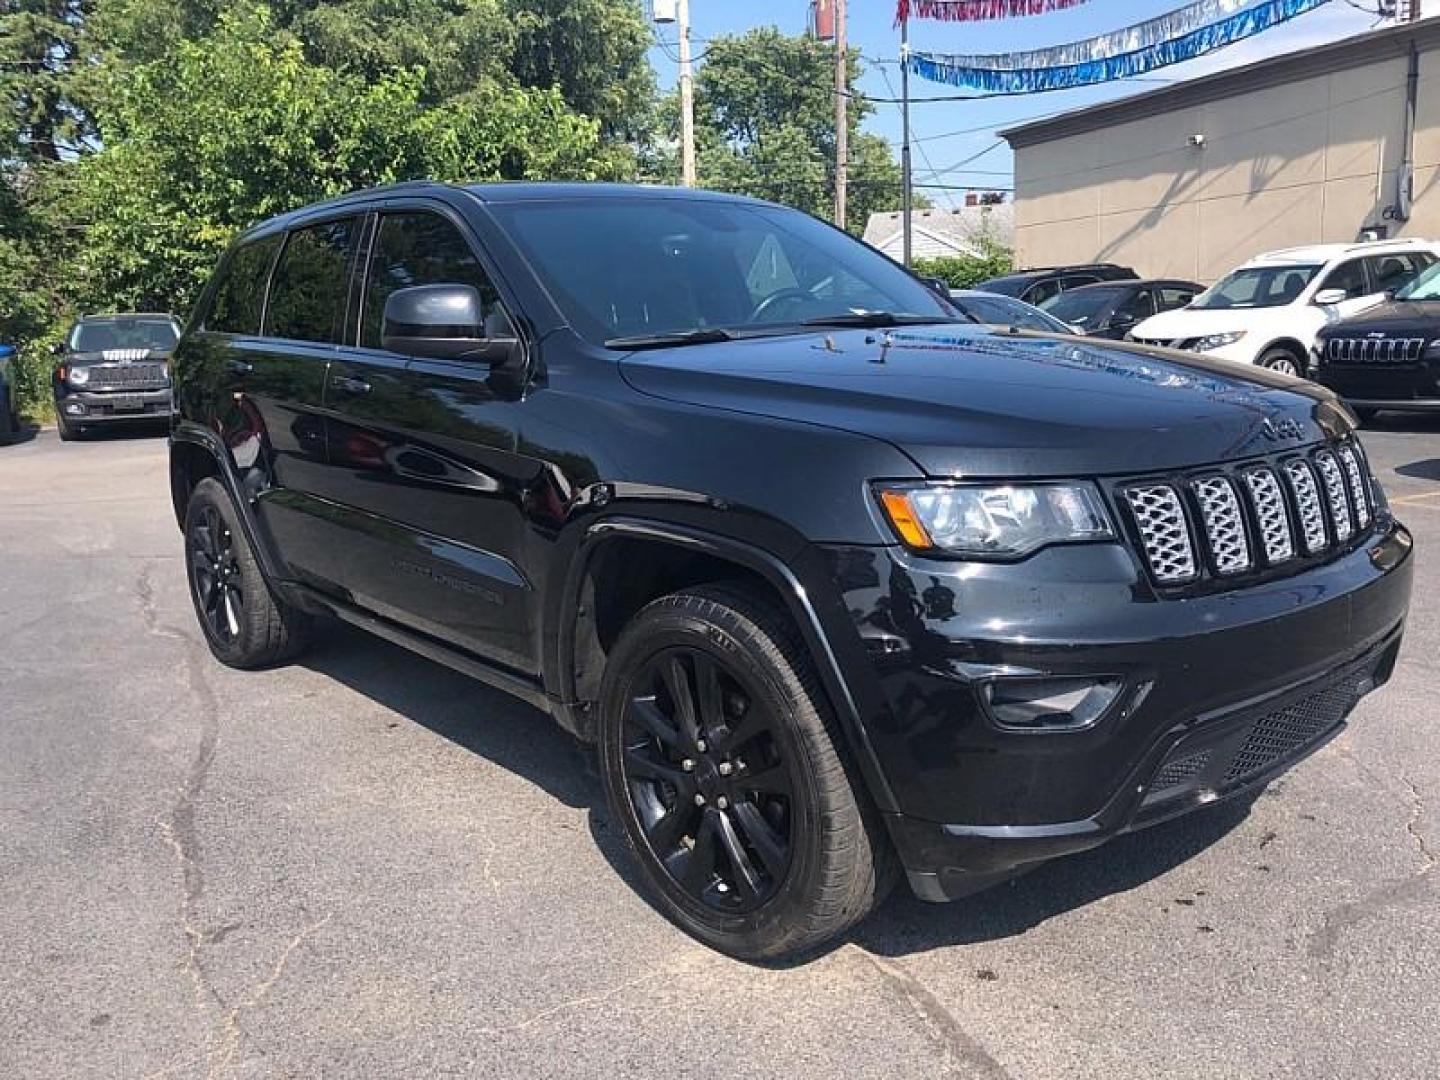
1061,703
74,408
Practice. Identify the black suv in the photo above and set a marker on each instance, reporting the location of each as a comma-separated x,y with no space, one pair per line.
113,369
1035,286
1113,308
1389,356
840,582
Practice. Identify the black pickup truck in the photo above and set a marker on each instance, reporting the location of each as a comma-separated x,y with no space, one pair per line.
840,583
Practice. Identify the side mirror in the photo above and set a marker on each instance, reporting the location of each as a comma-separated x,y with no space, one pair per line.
444,322
1121,323
58,349
939,285
1326,297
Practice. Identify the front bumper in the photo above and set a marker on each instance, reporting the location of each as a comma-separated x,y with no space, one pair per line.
1222,692
1413,387
105,406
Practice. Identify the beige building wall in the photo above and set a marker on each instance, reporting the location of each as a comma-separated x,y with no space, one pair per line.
1306,160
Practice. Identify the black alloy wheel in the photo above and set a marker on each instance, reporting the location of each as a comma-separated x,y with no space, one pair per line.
246,624
215,575
724,766
708,780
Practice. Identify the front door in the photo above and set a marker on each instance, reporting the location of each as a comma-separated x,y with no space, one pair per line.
424,473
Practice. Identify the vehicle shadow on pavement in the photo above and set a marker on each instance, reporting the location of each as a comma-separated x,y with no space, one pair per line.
521,739
906,925
487,722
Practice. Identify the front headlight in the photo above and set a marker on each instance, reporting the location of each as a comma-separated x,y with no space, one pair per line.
1002,521
1217,341
79,376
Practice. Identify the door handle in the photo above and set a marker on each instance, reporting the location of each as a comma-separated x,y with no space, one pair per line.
347,385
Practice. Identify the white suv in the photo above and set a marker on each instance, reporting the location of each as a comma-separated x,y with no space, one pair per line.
1269,310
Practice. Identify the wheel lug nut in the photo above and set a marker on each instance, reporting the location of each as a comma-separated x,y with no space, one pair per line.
726,768
687,765
722,803
699,799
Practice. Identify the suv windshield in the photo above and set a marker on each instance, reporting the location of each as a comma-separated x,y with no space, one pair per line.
1424,287
124,333
1080,307
1256,287
638,268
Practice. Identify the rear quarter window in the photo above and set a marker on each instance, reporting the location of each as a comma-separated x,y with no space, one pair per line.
239,294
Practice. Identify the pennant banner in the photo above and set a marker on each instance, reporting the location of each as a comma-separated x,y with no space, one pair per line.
1181,35
978,10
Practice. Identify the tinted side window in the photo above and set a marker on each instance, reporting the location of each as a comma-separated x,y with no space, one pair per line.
1349,276
419,248
1140,306
1041,292
307,294
1393,271
1076,280
1171,297
240,292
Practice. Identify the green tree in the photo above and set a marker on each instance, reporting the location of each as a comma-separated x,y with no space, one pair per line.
235,127
765,126
42,77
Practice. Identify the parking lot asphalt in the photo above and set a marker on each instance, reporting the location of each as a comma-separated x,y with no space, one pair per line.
366,865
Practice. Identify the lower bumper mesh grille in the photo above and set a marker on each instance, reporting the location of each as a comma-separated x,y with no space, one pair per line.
1280,734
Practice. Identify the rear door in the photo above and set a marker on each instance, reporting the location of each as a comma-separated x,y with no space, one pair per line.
427,488
1390,272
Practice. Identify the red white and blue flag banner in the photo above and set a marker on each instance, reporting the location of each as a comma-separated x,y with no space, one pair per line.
1183,34
978,10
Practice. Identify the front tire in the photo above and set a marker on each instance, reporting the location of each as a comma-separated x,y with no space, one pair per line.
245,624
68,432
1283,361
722,762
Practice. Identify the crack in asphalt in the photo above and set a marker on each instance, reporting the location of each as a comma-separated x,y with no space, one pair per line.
941,1025
182,836
1323,940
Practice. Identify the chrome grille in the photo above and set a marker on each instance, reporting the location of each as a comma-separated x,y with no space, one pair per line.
1161,521
1269,503
1334,494
1354,478
1261,514
1224,524
1307,502
1374,350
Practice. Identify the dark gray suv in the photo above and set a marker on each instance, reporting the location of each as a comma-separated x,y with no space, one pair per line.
114,369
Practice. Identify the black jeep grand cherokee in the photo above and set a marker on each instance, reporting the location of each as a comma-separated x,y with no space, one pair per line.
838,582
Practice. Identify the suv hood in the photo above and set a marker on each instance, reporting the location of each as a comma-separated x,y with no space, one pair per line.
968,401
1192,323
1397,318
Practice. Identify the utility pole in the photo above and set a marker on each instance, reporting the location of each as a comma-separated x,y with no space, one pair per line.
905,136
687,100
842,101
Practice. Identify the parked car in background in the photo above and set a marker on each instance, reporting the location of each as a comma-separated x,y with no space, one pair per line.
999,310
1269,310
9,412
1038,285
1389,356
114,369
1114,308
841,584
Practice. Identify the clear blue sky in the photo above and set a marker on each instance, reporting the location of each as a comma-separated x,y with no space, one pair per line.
872,31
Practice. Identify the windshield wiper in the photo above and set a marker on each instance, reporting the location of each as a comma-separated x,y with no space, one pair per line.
868,319
700,336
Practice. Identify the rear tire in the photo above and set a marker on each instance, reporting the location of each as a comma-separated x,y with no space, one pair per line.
723,764
245,624
1284,361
